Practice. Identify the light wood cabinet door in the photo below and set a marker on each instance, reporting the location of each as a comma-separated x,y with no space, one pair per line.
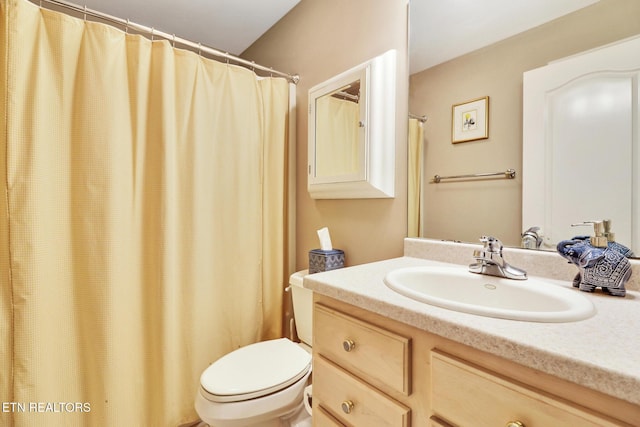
352,401
380,356
468,396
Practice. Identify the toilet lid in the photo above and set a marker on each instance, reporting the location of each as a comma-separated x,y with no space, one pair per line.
255,370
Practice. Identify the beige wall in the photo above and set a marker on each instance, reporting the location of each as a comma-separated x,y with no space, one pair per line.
317,40
466,210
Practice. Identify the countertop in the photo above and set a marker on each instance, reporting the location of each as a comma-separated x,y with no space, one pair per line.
601,353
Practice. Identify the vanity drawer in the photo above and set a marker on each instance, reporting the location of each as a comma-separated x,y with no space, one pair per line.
467,395
352,401
321,418
437,422
380,356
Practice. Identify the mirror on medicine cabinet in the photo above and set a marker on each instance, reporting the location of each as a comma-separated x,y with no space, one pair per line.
352,132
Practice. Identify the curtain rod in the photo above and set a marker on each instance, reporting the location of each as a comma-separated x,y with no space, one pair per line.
417,117
294,78
347,95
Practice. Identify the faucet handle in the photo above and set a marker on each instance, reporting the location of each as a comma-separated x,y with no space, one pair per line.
491,244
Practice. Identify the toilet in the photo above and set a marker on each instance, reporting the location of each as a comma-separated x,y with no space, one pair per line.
263,384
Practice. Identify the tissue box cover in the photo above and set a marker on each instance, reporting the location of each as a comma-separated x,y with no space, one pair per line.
320,260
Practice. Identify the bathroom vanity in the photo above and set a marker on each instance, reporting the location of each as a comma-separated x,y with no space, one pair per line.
381,359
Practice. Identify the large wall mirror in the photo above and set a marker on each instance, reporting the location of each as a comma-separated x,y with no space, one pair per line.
352,132
466,209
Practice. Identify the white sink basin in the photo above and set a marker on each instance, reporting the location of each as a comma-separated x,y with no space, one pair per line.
457,289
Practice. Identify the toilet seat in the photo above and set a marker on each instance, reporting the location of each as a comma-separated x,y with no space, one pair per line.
255,370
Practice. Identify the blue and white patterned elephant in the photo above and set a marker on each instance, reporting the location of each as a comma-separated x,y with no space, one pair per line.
611,245
607,268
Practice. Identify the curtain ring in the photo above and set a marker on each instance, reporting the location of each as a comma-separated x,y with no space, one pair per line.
126,28
151,33
84,15
227,57
199,49
173,43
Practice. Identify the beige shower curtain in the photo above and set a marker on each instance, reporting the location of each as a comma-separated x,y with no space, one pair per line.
337,153
414,178
142,220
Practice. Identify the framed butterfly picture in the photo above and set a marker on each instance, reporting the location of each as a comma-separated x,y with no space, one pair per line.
470,120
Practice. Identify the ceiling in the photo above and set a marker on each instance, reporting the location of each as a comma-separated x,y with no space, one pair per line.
442,30
227,25
439,30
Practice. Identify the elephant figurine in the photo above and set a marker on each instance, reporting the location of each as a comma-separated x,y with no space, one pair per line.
611,245
606,267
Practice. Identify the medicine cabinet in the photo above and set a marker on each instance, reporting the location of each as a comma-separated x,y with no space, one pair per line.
352,132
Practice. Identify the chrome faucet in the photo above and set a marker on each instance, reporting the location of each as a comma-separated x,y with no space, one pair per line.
490,261
531,238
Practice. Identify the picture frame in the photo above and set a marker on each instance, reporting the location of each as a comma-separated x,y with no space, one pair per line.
470,120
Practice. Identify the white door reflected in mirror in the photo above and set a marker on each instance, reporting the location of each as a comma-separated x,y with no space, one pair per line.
581,144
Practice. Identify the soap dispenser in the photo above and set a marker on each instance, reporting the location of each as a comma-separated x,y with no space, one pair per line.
611,239
610,235
598,240
604,230
598,264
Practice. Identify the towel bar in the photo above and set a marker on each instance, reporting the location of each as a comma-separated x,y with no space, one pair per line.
508,174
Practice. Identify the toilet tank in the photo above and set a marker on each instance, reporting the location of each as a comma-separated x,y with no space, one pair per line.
302,306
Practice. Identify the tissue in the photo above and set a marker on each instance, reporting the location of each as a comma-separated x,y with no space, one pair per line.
325,239
326,258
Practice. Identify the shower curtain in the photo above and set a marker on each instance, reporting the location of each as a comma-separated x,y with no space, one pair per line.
414,178
142,220
337,148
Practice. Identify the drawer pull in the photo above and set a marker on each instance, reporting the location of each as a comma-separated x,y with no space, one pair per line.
514,424
347,406
348,345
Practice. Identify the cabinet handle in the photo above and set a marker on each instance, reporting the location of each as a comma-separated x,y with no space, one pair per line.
347,406
514,424
348,345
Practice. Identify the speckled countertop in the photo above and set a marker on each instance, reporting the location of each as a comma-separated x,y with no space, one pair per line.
602,352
